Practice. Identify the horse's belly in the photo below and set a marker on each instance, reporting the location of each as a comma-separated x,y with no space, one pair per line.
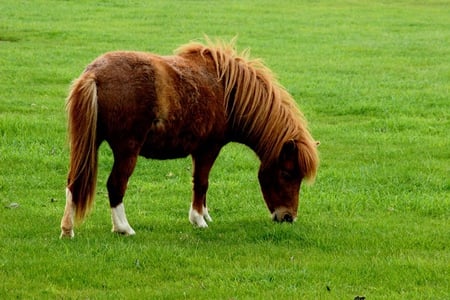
168,146
176,139
164,153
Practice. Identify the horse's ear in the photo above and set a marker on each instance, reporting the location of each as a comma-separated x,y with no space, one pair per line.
289,155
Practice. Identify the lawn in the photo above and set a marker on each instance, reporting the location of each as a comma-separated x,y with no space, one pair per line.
372,78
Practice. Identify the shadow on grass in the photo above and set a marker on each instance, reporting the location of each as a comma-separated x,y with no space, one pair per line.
258,231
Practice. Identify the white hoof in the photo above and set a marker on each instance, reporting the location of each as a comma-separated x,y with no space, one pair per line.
120,222
123,230
206,215
198,219
67,234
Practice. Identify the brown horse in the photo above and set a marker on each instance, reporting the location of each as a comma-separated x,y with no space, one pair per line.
191,103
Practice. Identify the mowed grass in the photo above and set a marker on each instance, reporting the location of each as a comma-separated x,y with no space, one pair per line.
372,78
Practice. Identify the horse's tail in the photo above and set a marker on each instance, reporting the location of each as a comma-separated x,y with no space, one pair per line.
82,108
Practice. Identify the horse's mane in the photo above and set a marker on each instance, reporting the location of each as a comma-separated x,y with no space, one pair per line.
257,104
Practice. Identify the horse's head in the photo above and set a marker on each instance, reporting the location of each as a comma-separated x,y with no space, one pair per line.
280,181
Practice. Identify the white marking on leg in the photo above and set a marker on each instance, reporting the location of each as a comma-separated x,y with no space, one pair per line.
119,220
196,218
206,215
68,217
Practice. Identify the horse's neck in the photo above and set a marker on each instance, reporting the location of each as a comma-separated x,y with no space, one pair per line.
259,140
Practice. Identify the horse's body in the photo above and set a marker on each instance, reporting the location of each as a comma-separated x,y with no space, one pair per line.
192,103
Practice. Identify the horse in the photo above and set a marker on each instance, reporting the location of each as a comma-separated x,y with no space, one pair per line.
193,102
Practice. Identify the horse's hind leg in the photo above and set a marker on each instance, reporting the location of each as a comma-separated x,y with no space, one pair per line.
68,218
117,184
203,161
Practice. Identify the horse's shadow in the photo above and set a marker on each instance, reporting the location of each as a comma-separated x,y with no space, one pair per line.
234,232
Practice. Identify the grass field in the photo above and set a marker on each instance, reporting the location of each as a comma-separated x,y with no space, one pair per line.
372,78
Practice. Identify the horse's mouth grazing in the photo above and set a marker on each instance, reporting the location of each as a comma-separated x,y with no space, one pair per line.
283,216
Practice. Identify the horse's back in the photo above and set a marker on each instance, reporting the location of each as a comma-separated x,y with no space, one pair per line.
168,106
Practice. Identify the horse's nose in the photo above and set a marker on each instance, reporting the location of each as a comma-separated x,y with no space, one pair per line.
288,218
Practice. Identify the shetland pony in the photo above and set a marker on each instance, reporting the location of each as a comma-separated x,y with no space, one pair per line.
191,103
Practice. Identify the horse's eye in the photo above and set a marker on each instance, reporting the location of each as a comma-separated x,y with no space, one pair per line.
286,175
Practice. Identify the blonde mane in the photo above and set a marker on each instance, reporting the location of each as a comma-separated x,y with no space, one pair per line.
258,105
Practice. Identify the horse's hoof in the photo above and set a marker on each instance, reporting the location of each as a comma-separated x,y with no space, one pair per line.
124,231
197,219
67,234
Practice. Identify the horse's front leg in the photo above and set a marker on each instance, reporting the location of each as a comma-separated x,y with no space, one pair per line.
202,162
117,185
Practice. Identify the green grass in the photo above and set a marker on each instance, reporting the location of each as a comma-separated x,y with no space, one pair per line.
372,77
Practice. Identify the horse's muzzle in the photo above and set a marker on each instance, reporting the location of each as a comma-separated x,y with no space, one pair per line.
283,217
